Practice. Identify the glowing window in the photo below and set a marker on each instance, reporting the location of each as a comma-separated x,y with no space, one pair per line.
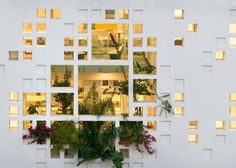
232,111
69,41
41,13
232,125
232,97
58,107
110,14
193,125
41,27
179,14
193,27
232,42
13,110
152,125
193,139
27,41
13,55
220,55
151,41
232,28
59,73
179,111
27,27
220,125
27,124
68,55
138,111
13,124
151,111
179,97
179,42
41,41
82,28
27,55
55,13
137,41
82,55
124,14
82,42
137,28
13,96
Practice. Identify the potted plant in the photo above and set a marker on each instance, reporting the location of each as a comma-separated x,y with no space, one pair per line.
119,48
32,109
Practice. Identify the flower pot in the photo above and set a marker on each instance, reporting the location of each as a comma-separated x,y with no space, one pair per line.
114,56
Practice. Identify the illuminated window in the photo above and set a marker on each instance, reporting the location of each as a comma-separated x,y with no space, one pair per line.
179,42
151,111
41,27
13,124
68,55
13,55
124,14
27,27
179,14
193,139
82,28
179,97
220,125
27,55
13,110
232,125
137,28
41,13
27,41
59,73
232,28
69,41
82,55
232,111
193,125
179,111
232,42
55,13
82,42
193,27
41,41
232,97
220,55
138,111
151,41
27,124
13,96
58,105
152,125
110,14
137,41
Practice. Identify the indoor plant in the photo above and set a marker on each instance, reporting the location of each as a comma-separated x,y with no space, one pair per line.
32,109
118,47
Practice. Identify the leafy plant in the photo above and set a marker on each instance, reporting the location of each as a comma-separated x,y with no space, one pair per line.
118,47
147,68
32,109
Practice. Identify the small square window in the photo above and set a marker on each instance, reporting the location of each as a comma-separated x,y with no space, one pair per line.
137,28
68,55
232,41
220,125
27,41
193,139
27,27
13,96
13,55
82,28
151,111
151,41
110,14
232,97
137,41
27,55
193,27
41,27
69,41
193,125
124,14
27,124
14,124
232,111
41,41
13,110
232,125
41,13
152,125
55,13
69,153
220,55
179,42
179,111
82,42
82,55
55,153
179,97
125,153
232,28
138,111
179,14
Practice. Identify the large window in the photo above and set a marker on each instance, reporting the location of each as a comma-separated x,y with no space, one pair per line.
62,76
34,104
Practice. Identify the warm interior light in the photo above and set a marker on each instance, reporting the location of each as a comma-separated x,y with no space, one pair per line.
179,14
233,125
232,41
27,27
137,28
41,13
232,111
179,42
13,124
27,41
27,124
220,125
55,13
41,27
27,55
152,125
193,139
232,96
220,55
151,111
82,28
179,97
124,14
137,41
192,27
13,96
193,125
69,41
110,14
32,97
179,110
232,28
151,41
13,110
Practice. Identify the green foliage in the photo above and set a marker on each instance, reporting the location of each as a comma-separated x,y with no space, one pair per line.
64,132
32,109
147,68
118,47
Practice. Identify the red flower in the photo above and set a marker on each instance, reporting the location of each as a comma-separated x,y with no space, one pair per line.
153,139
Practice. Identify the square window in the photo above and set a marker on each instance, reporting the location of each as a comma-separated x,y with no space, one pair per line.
232,28
55,13
55,153
137,28
125,153
110,14
69,41
82,42
41,41
82,28
179,42
82,55
232,42
27,27
151,41
68,55
27,41
193,27
13,55
41,27
137,41
41,13
82,13
232,97
14,124
151,111
152,125
179,111
193,125
179,97
124,14
27,124
193,139
232,111
220,55
69,153
27,55
179,14
232,125
220,125
138,111
13,110
13,96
